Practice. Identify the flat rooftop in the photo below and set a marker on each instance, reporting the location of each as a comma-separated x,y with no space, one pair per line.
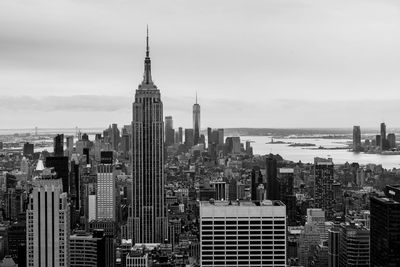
245,203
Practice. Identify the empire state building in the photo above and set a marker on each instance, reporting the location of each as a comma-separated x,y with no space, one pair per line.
148,209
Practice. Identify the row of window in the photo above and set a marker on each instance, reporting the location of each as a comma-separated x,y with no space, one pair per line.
242,227
206,246
240,237
238,248
243,257
276,251
244,263
234,222
243,232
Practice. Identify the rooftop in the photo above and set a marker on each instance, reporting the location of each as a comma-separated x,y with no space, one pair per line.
223,203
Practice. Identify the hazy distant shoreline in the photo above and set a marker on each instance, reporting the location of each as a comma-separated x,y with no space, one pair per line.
276,132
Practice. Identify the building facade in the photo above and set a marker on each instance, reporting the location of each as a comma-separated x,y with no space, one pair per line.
323,194
242,233
106,193
47,223
385,228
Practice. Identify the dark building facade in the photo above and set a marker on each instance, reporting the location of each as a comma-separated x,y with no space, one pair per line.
285,180
258,185
385,228
323,193
356,138
189,142
272,179
59,145
60,165
169,131
28,150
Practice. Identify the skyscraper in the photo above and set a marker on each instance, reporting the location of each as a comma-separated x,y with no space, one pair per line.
47,223
28,150
383,136
149,215
59,145
115,136
354,245
169,131
180,135
323,194
285,180
356,138
391,140
333,247
189,142
106,193
271,176
384,227
258,185
196,122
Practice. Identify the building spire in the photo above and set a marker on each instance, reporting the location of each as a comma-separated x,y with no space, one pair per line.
147,42
196,96
147,63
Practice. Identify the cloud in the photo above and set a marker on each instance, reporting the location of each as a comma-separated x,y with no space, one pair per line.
76,103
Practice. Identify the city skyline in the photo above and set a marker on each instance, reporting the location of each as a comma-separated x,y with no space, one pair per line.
62,61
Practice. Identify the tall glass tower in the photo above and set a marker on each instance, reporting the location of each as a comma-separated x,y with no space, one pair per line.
196,122
148,210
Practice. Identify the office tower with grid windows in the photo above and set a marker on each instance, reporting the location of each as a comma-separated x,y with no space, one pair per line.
323,193
234,233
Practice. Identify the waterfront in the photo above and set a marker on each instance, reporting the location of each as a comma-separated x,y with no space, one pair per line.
262,146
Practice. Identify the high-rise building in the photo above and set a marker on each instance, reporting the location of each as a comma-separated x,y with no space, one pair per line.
69,145
378,140
354,245
391,138
115,136
385,229
323,194
149,214
333,247
258,185
60,165
285,180
220,136
271,175
88,249
106,193
28,150
47,223
232,144
189,142
196,122
180,135
59,145
317,217
308,240
16,237
240,233
169,131
383,136
356,138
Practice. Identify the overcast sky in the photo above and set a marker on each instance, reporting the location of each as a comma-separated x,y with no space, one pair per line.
258,63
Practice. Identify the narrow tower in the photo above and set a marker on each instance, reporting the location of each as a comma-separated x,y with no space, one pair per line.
196,122
148,210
